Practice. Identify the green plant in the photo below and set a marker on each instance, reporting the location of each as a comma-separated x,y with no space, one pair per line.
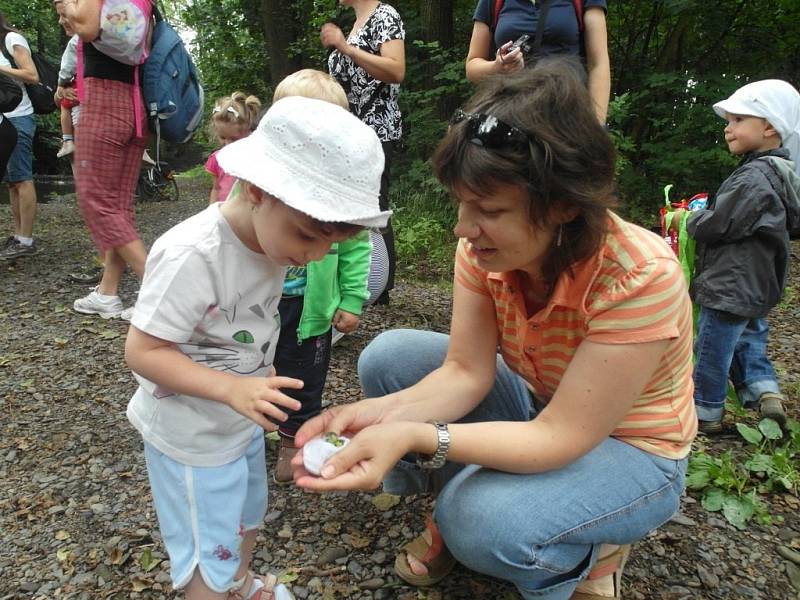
734,482
789,298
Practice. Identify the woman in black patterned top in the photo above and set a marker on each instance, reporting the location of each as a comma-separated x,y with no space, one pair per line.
370,64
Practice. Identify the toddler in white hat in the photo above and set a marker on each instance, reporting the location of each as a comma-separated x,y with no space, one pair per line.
205,326
742,252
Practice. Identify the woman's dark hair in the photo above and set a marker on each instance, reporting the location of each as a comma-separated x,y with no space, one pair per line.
567,166
5,27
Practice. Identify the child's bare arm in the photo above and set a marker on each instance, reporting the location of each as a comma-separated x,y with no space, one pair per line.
163,363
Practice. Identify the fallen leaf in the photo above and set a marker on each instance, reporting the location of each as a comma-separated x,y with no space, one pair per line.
385,501
62,534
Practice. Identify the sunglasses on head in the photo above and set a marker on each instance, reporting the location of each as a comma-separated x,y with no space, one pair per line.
489,131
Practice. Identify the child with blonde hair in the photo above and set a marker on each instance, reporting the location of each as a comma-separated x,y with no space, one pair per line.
232,118
206,324
319,296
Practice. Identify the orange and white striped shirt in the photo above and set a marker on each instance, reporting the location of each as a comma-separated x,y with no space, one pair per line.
631,291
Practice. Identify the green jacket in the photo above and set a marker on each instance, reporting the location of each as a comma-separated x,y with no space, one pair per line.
338,281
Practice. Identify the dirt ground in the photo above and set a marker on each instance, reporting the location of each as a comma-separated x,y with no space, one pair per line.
76,518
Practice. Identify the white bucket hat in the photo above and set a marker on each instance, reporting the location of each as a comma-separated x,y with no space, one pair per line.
774,100
315,157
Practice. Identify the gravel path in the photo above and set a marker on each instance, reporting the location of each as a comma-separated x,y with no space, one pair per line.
77,521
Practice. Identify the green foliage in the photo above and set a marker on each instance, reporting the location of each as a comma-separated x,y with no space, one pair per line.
734,482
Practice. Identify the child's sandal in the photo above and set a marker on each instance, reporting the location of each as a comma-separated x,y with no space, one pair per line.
270,590
429,550
611,565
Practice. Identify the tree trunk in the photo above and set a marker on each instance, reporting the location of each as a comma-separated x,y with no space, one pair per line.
437,26
280,31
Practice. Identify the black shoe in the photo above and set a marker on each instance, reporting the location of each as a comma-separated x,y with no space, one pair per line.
710,427
18,250
383,299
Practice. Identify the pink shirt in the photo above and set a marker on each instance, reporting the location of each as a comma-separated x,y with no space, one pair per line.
223,181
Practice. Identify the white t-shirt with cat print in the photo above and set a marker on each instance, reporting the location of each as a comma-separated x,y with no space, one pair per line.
217,301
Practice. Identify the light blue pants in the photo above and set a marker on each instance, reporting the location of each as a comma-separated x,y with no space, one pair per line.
540,532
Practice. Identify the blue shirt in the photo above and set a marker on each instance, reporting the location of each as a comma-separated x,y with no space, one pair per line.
561,34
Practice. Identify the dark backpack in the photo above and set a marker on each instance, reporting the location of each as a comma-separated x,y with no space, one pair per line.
41,94
173,95
10,94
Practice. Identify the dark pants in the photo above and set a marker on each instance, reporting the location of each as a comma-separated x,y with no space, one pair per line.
8,140
307,360
388,232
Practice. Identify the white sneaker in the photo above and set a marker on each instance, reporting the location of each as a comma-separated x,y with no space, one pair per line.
95,303
68,147
336,336
126,314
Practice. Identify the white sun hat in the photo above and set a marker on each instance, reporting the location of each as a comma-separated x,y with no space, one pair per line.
315,157
774,100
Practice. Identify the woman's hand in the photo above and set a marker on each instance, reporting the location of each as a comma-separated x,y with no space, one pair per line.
332,37
509,61
346,419
365,461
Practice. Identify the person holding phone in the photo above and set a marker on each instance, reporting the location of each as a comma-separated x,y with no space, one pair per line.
370,64
553,28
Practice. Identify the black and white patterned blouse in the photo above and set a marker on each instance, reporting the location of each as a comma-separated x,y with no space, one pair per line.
372,101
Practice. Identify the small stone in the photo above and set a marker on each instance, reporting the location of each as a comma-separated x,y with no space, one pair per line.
29,586
707,577
789,554
355,569
98,508
300,592
378,557
372,584
273,515
682,519
330,554
785,534
793,573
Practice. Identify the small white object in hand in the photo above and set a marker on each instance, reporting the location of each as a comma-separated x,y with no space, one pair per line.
316,452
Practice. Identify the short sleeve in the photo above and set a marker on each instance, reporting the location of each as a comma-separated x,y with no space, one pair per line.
468,273
595,4
388,27
644,305
176,293
212,166
15,39
482,12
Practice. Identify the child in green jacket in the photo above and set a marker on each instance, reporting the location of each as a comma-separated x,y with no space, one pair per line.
316,296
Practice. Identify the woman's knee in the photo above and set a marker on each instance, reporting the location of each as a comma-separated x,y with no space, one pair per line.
399,358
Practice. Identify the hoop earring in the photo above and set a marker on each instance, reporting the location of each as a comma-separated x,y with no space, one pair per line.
560,231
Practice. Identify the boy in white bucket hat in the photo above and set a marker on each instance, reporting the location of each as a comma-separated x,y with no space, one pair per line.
205,326
742,252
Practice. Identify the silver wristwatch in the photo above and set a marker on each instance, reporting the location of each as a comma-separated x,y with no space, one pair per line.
440,456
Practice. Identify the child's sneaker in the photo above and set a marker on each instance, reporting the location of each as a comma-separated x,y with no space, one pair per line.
67,148
95,303
770,405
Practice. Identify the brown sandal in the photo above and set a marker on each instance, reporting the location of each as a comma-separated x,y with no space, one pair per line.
610,565
429,549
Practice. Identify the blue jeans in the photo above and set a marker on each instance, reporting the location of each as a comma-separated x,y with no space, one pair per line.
730,346
20,163
541,531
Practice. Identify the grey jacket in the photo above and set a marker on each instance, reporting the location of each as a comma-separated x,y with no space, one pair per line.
69,62
742,252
